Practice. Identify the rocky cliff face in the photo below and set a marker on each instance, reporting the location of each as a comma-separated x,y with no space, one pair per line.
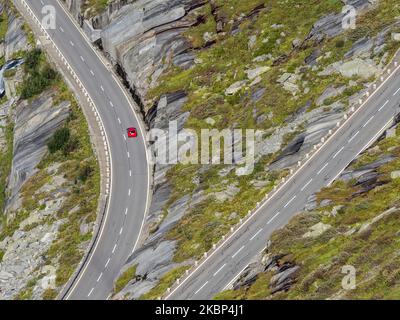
41,202
34,124
200,62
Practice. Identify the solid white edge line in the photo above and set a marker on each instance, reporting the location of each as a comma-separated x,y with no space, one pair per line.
380,132
72,20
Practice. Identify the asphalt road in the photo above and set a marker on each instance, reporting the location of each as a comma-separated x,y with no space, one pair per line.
130,172
224,265
129,193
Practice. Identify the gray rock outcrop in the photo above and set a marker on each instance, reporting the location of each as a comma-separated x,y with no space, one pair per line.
35,124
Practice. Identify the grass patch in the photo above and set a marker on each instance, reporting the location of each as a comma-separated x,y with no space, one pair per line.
165,282
128,275
39,74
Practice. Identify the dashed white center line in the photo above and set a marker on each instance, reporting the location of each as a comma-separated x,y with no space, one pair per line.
71,43
397,91
258,232
129,155
290,201
219,270
353,137
337,153
90,292
126,211
380,109
129,192
108,261
201,288
124,137
92,73
119,121
306,185
273,218
237,252
130,173
61,29
102,88
115,247
111,104
98,279
83,59
370,119
322,169
120,231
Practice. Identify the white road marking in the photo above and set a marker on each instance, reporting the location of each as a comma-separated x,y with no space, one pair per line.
92,73
71,43
120,231
237,252
129,192
258,232
370,119
201,288
129,155
130,173
124,137
353,137
380,109
219,270
61,29
90,293
119,120
98,279
234,279
102,88
273,218
396,92
290,201
108,261
115,247
322,169
126,211
306,185
111,104
337,153
83,59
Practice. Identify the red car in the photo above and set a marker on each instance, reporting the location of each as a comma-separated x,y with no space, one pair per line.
132,132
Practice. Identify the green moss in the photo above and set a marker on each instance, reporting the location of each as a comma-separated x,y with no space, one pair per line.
165,282
128,275
5,163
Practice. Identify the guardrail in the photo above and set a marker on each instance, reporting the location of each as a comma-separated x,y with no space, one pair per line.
392,67
106,183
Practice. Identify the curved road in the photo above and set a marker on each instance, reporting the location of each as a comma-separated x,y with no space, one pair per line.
129,190
222,267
